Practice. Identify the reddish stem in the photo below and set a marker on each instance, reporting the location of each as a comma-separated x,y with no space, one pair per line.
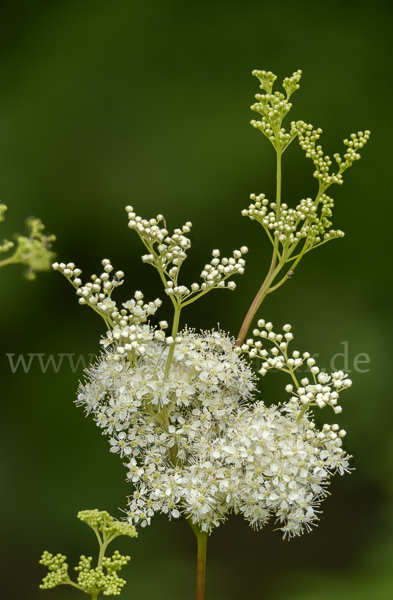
201,537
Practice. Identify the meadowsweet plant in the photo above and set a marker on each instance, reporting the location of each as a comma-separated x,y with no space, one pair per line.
33,250
181,409
92,580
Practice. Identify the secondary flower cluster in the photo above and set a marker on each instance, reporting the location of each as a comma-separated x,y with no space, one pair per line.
33,250
197,444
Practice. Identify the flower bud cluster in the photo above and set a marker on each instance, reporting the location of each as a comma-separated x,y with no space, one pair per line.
308,137
167,253
324,390
92,580
5,246
102,521
125,323
32,251
58,570
274,107
96,293
170,249
219,269
292,225
3,208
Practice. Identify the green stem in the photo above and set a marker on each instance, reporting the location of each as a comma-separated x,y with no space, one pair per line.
5,262
175,329
102,553
201,537
273,271
75,585
278,184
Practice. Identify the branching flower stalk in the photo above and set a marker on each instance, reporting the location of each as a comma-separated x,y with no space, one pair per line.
92,580
182,410
293,232
32,251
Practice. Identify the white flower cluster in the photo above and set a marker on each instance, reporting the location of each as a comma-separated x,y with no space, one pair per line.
274,107
196,443
308,137
292,225
168,252
323,391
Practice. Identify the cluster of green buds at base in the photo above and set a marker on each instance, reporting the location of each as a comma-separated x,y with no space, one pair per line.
32,250
92,580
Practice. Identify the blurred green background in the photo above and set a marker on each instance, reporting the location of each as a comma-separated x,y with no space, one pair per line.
104,104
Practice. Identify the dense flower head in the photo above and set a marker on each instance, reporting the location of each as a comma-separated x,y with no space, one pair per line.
197,442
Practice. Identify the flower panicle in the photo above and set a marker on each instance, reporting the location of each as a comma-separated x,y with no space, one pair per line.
295,231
